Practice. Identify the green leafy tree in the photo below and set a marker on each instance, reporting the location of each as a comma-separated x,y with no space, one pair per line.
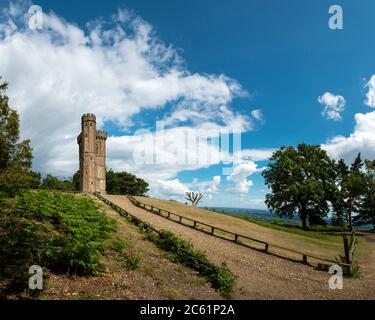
76,180
366,206
51,182
112,182
338,200
15,155
301,181
350,188
125,183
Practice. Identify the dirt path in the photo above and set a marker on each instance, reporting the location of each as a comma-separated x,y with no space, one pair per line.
260,276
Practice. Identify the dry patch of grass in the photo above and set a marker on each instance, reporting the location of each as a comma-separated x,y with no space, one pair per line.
323,245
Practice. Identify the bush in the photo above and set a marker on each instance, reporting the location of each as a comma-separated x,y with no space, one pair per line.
60,232
183,252
132,261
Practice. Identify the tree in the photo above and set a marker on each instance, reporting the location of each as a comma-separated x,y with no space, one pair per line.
302,181
350,188
366,206
76,181
194,197
339,217
15,155
125,183
51,182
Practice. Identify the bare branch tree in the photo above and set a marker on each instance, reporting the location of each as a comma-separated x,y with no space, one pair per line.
194,197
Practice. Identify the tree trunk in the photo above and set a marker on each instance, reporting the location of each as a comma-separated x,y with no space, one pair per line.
350,215
304,224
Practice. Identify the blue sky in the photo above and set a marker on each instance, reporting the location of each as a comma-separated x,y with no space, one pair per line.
281,54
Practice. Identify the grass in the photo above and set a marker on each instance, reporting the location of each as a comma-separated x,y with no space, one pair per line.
183,252
327,245
60,232
132,260
315,232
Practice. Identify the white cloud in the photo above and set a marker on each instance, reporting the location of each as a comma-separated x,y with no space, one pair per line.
214,184
334,105
169,188
116,70
257,114
370,96
361,140
255,154
240,174
363,137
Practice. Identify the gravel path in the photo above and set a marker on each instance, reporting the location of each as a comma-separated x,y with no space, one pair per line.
261,276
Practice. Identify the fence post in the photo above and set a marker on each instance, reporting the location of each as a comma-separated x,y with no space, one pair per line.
304,259
346,249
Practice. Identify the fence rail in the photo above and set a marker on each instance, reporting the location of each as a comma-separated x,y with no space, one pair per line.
235,237
124,213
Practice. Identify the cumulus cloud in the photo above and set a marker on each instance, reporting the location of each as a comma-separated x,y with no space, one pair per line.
116,68
361,140
240,174
169,188
363,137
334,106
214,184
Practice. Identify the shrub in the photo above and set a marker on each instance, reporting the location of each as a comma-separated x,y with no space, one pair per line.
132,261
183,252
58,231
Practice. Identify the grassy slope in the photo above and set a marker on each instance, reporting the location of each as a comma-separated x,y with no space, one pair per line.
150,275
321,244
63,232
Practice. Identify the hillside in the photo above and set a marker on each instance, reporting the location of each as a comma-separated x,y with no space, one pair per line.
260,275
325,245
87,251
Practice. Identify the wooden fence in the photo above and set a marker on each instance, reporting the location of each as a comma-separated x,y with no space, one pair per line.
126,214
240,239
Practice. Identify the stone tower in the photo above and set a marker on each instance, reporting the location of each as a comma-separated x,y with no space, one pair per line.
92,154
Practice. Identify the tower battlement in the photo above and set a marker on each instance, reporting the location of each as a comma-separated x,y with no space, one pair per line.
92,156
101,135
89,117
